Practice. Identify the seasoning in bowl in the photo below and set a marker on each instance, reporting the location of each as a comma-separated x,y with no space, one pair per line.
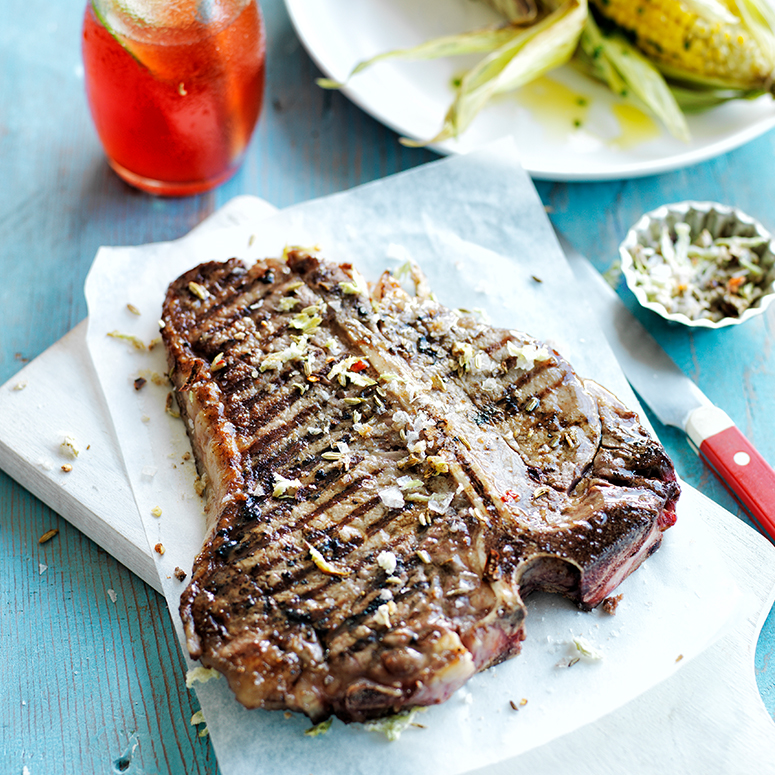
700,263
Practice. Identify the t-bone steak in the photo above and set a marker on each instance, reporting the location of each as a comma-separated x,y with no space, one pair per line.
387,480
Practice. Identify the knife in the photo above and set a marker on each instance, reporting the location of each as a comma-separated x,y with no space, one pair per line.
677,401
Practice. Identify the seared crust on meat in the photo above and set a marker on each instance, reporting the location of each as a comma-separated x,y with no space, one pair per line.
387,479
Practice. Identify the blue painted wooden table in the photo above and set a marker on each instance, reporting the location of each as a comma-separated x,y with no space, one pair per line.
95,686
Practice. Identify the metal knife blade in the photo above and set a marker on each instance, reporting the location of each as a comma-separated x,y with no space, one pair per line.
676,400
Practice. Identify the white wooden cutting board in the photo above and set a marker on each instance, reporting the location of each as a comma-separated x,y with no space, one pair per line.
58,395
707,718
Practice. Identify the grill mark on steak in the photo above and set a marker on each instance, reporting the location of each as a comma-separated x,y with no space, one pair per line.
258,417
534,375
326,500
568,497
361,510
358,617
238,296
279,432
472,475
497,346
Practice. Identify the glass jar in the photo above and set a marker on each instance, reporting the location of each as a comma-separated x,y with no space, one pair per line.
175,88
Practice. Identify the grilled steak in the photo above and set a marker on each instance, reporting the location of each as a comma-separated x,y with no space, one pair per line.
387,479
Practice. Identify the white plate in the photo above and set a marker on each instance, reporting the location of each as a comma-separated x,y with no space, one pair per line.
412,97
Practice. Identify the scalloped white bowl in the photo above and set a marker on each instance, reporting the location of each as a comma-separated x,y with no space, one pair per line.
720,220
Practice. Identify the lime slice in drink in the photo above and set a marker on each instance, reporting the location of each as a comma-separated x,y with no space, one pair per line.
146,28
101,12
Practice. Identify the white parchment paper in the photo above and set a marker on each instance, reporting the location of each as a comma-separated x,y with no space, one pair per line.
478,230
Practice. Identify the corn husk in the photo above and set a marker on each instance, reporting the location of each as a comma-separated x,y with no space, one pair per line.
625,69
542,35
712,10
697,100
759,17
533,51
476,42
517,11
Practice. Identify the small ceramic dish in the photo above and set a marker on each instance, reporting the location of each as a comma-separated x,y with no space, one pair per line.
701,264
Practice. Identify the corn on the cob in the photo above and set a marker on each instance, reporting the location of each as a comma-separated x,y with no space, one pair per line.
686,46
672,55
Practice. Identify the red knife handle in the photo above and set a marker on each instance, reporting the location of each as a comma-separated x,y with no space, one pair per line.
744,472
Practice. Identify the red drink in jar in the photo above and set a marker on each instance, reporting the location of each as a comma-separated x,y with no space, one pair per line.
175,88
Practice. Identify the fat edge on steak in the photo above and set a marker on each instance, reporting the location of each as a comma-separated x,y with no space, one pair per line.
387,480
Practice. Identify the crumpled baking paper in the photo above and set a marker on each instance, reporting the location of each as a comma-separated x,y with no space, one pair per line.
477,228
